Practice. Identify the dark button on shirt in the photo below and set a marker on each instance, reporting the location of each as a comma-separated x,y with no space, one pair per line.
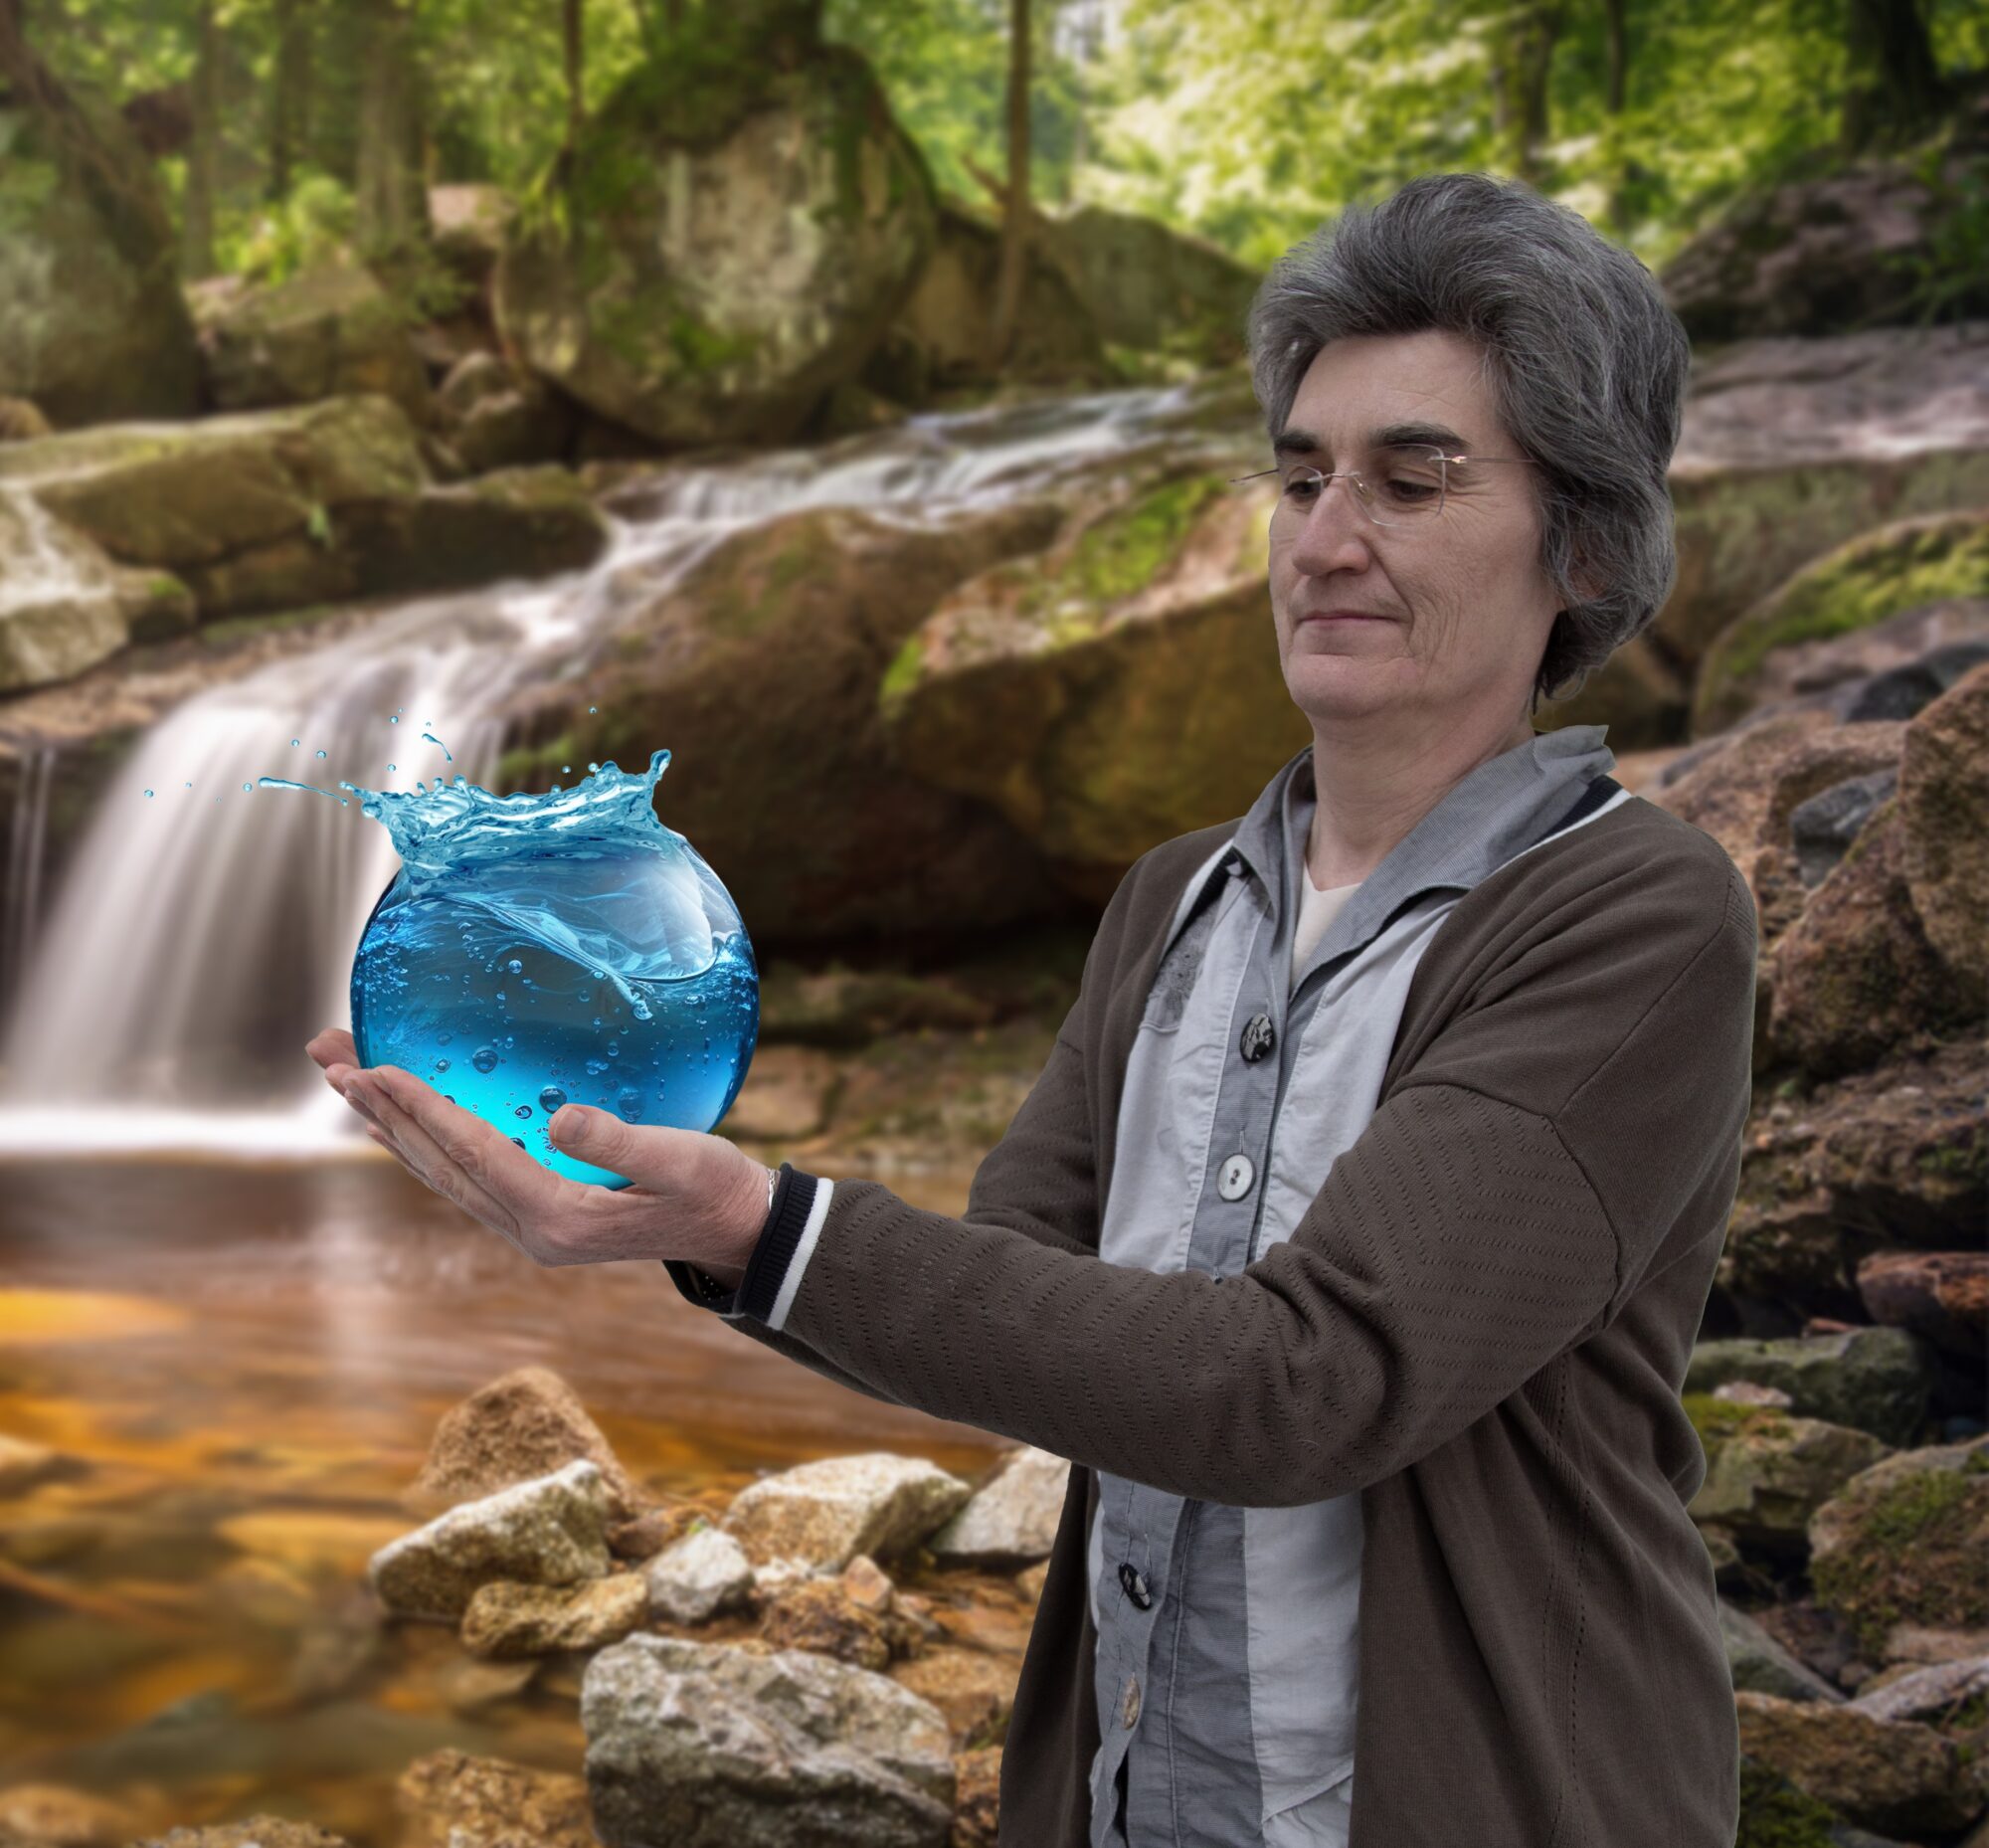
1259,1037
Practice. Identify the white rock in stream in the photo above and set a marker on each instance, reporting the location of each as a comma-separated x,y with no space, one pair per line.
695,1577
827,1511
551,1531
713,1745
1013,1516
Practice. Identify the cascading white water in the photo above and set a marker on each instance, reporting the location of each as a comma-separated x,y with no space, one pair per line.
200,924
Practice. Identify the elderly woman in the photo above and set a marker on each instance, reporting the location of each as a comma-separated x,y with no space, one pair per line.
1352,1242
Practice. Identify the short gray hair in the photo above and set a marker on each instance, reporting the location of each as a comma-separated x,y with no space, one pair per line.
1587,361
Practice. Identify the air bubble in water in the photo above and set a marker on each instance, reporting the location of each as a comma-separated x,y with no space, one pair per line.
485,1058
551,1098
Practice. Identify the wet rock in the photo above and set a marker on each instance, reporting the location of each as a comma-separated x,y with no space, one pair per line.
1927,1694
842,1009
1944,796
1900,1545
324,332
93,327
1940,1295
820,1615
1874,1379
1902,1778
506,1620
1747,1392
709,1745
1759,1663
450,1799
1822,829
714,277
1768,1472
827,1511
976,1691
522,1425
699,1576
549,1532
977,1808
252,1832
1013,1515
49,1813
653,1529
494,414
1838,1172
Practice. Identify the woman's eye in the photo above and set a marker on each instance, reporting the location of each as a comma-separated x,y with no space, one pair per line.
1304,485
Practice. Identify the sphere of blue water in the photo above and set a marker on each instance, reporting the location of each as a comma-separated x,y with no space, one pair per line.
643,999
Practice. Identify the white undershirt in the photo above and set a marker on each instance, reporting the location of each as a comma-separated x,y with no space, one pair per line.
1317,909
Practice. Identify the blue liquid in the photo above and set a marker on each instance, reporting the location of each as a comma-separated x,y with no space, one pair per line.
586,952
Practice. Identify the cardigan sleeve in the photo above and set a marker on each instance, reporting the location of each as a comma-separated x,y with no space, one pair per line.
1578,1114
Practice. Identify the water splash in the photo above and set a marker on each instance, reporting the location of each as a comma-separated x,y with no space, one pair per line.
507,912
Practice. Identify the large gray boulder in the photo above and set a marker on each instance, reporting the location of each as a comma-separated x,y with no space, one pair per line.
740,224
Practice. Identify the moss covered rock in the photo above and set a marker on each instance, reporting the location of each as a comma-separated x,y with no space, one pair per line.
93,327
740,224
1903,1543
1943,797
1862,583
1767,1472
325,332
1120,689
1874,1379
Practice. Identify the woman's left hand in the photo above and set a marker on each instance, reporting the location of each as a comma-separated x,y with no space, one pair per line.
693,1196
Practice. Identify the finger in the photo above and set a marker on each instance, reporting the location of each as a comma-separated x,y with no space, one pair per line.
652,1155
333,1046
530,1193
428,1161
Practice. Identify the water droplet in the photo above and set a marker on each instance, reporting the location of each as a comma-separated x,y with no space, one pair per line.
595,1066
499,995
149,791
594,708
321,754
188,785
394,720
566,769
641,1008
520,1141
441,1064
614,1048
523,1110
295,742
442,1040
596,1019
509,1041
484,1058
551,1098
393,766
248,786
586,995
515,967
630,1104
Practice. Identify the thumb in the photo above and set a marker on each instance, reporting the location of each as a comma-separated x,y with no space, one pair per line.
578,1125
640,1153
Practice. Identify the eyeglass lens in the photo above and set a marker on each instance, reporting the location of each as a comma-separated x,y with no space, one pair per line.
1394,488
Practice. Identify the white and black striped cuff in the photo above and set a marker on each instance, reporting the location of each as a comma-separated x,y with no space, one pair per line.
779,1256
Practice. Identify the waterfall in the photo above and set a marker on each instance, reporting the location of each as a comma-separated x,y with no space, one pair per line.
200,927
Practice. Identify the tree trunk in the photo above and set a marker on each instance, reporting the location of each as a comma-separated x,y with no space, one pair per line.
1896,93
1530,63
1016,219
1615,93
574,41
289,101
203,164
392,205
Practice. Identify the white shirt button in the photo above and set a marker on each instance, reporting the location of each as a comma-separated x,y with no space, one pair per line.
1234,1180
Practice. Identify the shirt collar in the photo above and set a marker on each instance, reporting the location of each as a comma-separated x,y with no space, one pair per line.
1500,809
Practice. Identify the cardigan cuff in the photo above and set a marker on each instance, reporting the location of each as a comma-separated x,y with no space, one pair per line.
779,1255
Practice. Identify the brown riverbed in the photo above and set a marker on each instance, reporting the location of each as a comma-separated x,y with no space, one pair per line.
246,1365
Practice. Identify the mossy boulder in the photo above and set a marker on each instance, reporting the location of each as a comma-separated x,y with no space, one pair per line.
738,226
1902,1544
1878,575
280,510
325,332
757,666
1120,689
93,327
1944,796
1874,1379
1767,1472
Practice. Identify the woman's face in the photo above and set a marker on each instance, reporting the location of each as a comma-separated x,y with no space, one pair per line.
1466,607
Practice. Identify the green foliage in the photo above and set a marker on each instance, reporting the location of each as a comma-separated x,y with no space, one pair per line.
312,224
1956,257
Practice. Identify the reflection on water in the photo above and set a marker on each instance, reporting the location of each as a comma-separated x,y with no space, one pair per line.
245,1365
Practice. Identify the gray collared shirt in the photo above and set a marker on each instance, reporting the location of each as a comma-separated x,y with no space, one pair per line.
1226,1677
